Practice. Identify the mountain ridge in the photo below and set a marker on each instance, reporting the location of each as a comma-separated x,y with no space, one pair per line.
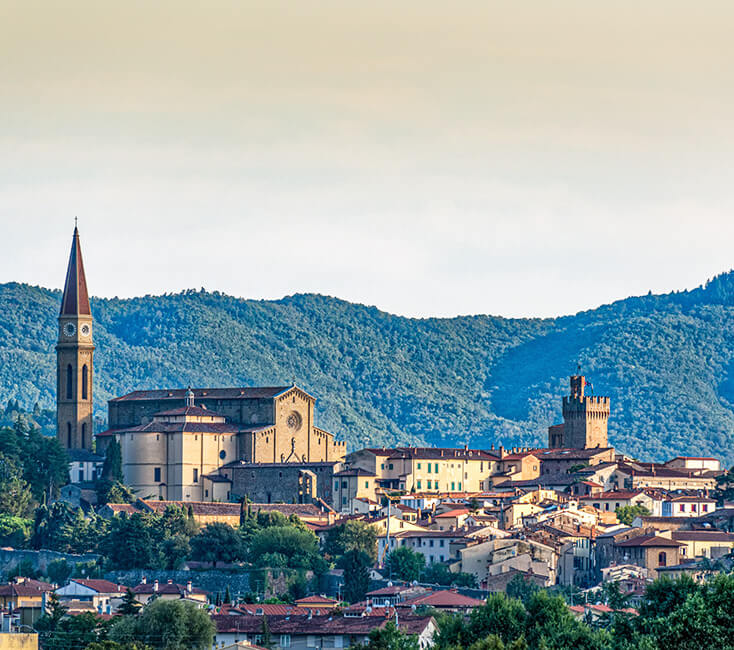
664,359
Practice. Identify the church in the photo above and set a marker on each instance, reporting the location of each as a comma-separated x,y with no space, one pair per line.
174,442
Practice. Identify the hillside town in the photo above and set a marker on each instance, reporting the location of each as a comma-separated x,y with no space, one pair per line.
369,541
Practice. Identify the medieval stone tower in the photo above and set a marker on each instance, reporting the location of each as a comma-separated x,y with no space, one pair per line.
585,419
74,357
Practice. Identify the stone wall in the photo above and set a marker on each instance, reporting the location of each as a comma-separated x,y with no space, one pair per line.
11,558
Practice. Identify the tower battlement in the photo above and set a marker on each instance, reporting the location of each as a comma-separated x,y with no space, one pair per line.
585,419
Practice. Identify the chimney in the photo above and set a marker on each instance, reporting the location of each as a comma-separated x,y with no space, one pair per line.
155,585
189,586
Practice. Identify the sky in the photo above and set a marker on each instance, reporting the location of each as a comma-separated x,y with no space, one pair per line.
530,158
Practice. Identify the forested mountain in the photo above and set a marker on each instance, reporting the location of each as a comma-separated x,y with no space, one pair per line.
666,361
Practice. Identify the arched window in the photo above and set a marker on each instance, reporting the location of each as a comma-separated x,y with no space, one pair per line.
68,435
84,435
662,558
85,381
69,382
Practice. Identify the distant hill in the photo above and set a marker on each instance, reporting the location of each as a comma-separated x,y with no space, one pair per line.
665,360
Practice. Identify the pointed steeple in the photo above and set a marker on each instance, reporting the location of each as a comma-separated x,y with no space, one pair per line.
76,298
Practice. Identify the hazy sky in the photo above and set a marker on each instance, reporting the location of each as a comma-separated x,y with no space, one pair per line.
432,158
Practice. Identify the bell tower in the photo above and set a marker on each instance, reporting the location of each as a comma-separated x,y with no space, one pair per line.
74,357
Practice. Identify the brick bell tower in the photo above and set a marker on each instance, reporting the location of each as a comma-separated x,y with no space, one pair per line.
74,356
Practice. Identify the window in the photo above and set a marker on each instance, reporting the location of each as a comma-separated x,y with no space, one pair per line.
85,381
390,466
196,475
418,484
682,507
419,465
366,484
705,507
84,435
459,486
81,475
69,380
382,466
344,484
68,434
336,483
285,640
452,486
435,468
429,468
662,558
344,501
156,474
428,484
441,543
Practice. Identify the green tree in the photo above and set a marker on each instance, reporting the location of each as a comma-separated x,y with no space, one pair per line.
300,546
14,531
521,587
16,498
502,616
167,625
59,571
627,514
112,468
356,565
405,564
389,637
129,605
175,550
129,543
216,542
353,535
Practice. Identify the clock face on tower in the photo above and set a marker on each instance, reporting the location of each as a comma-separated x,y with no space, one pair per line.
69,329
85,329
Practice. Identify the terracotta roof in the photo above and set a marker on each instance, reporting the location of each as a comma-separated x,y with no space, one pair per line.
575,454
648,540
620,495
440,453
260,609
166,588
180,427
703,536
445,598
392,590
100,586
356,471
519,455
450,514
188,410
317,625
315,600
27,587
251,392
75,300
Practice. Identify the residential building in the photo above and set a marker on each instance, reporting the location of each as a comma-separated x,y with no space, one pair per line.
301,632
145,591
103,596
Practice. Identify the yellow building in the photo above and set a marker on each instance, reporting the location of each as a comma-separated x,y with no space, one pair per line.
25,598
426,469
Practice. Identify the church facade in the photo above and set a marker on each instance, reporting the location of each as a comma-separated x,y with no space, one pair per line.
175,441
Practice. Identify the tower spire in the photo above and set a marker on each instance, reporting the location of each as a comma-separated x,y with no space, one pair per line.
76,298
75,356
